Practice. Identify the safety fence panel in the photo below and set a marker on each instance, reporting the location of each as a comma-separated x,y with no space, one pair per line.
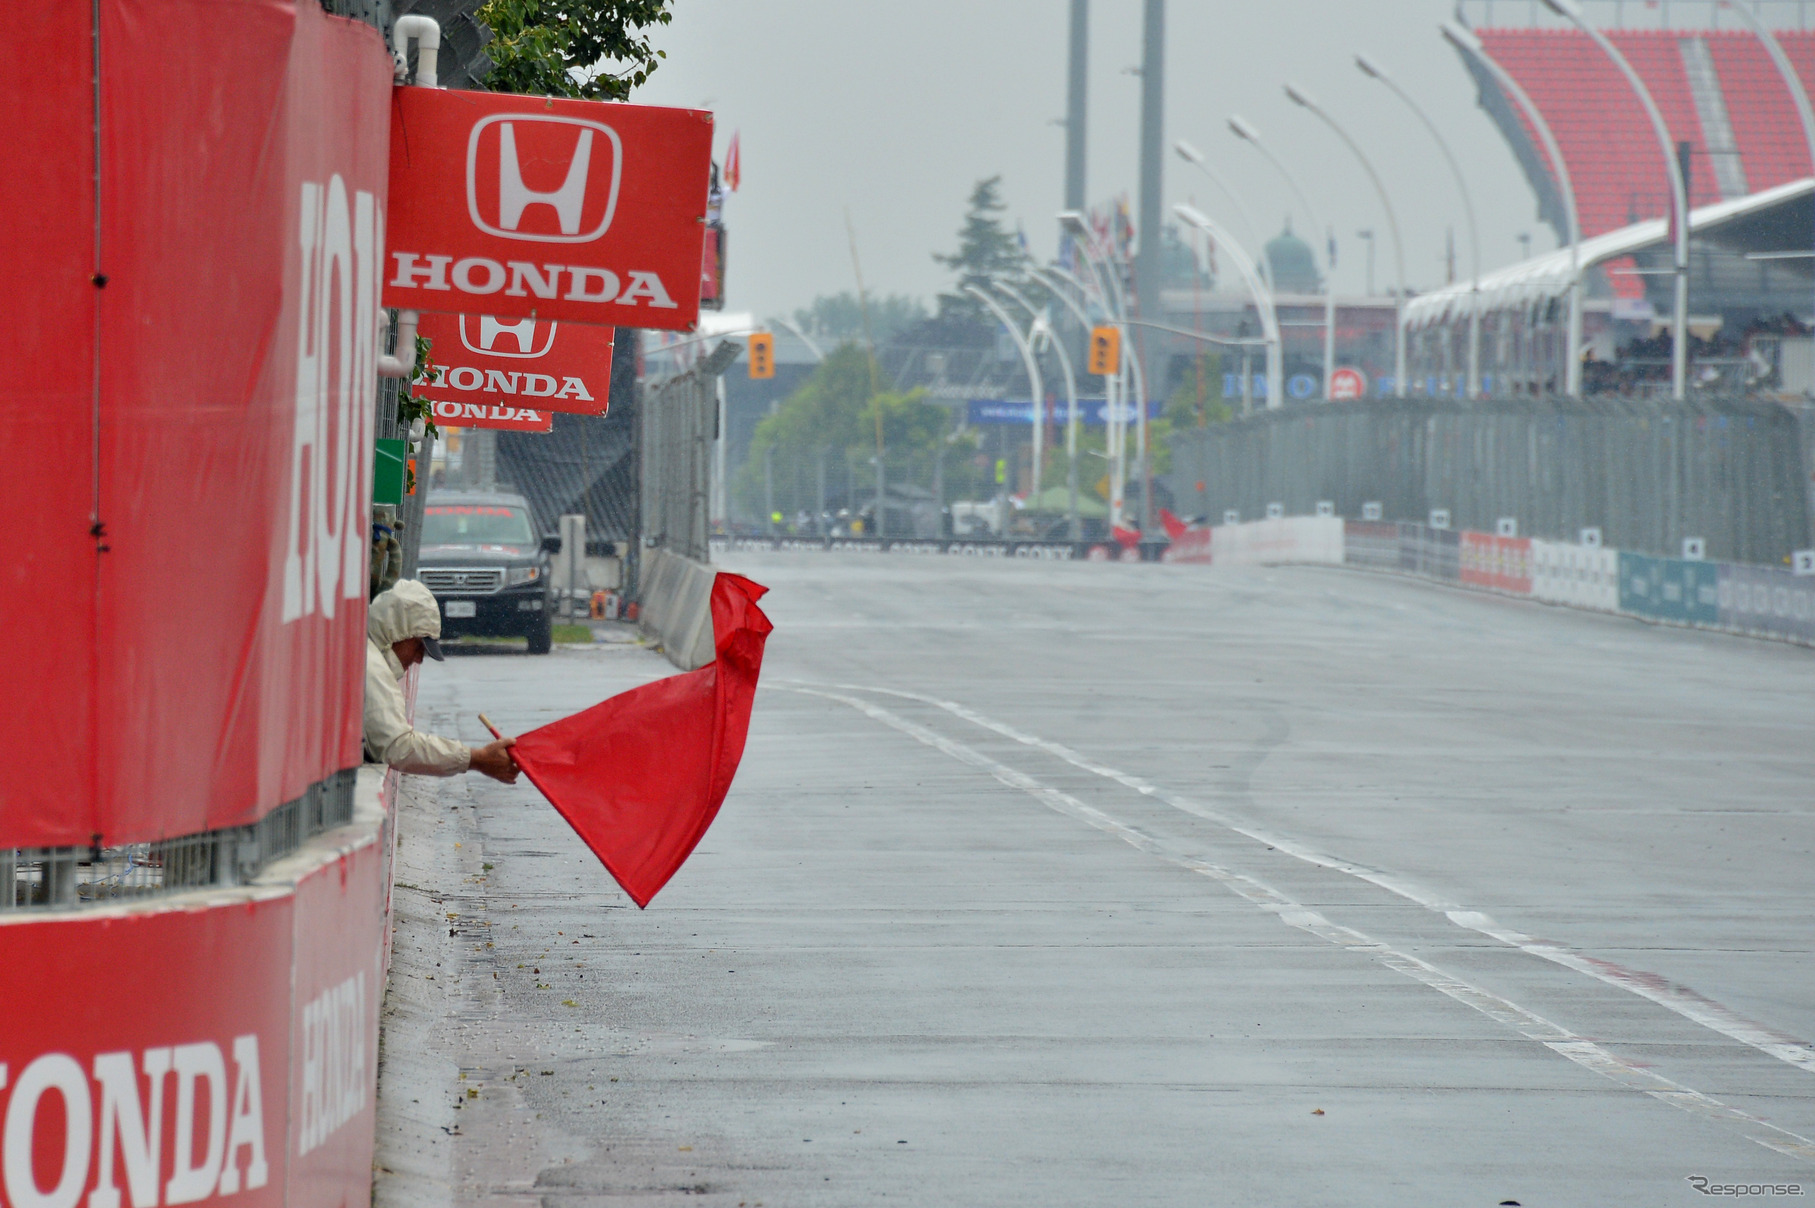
1669,589
676,426
1431,552
1500,563
1649,473
1575,575
1372,543
1767,602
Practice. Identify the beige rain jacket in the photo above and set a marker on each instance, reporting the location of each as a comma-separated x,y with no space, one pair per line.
405,611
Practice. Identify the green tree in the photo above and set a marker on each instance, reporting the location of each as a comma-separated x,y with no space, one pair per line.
562,47
832,416
987,252
840,316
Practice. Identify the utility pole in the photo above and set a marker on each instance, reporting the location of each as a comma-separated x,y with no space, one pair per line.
1078,82
1150,261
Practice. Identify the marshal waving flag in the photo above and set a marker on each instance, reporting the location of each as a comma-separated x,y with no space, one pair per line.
641,776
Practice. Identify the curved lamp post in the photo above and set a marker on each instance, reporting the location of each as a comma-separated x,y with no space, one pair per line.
1033,374
1263,298
1197,159
1679,191
1299,97
1041,330
1110,290
1051,278
1465,41
815,349
1373,70
1248,134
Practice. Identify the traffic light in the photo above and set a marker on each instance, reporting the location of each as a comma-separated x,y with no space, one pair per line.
1105,350
762,354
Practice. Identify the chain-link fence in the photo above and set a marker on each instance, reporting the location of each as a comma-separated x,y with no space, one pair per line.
676,427
50,878
1647,474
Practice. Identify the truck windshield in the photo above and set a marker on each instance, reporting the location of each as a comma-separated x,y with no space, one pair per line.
475,524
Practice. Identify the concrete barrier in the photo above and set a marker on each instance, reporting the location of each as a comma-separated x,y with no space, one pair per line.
1283,539
675,599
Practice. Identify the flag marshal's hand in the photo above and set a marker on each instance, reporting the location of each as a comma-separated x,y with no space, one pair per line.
493,759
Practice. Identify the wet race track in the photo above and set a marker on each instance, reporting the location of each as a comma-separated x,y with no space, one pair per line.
1308,887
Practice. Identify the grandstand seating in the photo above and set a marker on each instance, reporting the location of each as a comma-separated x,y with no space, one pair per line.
1614,159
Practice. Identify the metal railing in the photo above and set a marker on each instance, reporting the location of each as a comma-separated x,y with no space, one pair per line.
1648,474
677,424
56,878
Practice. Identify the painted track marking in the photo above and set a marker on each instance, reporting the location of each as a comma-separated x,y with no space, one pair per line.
1558,1039
1690,1004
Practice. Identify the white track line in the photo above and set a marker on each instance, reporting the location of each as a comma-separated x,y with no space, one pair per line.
1585,1053
1686,1002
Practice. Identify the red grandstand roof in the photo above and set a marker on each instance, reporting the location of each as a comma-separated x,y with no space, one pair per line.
1614,160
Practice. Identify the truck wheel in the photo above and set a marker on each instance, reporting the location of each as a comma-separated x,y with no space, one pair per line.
542,637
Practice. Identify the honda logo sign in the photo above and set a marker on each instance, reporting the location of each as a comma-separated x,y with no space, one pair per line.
580,208
528,365
521,338
548,209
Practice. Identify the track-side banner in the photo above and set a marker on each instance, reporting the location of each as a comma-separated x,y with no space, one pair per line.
518,363
493,415
201,340
175,1098
531,207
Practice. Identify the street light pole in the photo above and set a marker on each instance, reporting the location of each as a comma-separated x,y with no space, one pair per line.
1248,134
1679,192
1201,162
1033,379
818,353
1117,306
1465,41
1373,70
1299,97
1042,329
1263,298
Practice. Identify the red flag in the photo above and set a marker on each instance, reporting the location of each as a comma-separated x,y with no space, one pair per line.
734,165
1175,528
641,776
1127,538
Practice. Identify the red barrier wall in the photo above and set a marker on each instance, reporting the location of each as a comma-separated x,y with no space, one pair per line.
219,1047
195,659
1502,563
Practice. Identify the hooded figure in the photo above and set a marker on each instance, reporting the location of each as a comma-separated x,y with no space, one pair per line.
402,625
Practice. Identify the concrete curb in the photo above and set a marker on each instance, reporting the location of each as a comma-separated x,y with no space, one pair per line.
677,607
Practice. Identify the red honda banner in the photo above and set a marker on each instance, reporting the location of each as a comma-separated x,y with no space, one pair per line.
492,415
179,1098
641,776
533,207
190,409
514,363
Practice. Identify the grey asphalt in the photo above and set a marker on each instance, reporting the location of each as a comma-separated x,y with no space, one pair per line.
1092,884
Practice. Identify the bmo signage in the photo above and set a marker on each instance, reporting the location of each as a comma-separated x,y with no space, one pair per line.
513,373
544,208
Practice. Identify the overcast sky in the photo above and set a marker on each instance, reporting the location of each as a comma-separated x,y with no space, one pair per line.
893,109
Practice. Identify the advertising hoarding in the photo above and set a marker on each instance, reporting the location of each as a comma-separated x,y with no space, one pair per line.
547,208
